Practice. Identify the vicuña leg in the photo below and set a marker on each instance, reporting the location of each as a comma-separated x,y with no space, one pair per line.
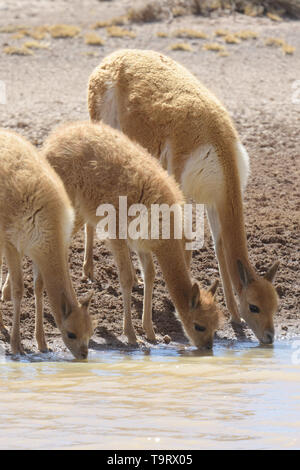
6,291
2,327
149,276
39,310
122,259
88,265
219,248
13,260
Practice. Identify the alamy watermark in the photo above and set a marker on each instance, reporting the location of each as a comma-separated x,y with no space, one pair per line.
2,92
160,221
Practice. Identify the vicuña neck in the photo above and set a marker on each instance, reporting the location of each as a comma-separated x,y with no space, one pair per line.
171,259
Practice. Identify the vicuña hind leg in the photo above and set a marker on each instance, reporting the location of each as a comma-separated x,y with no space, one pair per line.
38,293
219,248
149,276
122,259
88,264
13,260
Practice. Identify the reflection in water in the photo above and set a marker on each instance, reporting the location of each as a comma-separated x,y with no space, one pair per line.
241,396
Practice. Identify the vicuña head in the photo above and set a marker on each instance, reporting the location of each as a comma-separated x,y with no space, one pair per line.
258,301
76,326
202,320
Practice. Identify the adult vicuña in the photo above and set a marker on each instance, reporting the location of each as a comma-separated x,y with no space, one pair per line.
97,165
36,219
163,107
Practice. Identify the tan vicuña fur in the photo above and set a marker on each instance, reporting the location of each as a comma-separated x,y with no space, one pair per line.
163,107
36,219
97,165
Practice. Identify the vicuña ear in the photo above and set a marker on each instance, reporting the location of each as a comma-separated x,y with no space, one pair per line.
65,306
195,299
245,276
86,301
214,287
272,271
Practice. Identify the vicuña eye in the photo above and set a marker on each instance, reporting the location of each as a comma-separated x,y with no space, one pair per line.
71,335
199,327
253,308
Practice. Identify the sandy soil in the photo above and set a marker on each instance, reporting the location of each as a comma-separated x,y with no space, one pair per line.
255,82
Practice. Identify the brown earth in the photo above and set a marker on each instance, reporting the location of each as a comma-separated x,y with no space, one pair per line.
258,84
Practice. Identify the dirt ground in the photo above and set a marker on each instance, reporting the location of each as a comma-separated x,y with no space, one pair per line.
260,86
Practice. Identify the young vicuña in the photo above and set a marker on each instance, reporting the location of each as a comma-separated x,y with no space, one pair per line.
36,219
163,107
99,164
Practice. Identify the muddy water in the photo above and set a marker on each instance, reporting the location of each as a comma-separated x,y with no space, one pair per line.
240,397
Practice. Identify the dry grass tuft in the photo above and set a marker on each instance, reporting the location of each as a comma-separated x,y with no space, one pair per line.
223,54
231,39
93,39
181,46
148,13
117,21
10,50
12,28
287,49
161,34
189,33
117,32
214,46
38,33
35,45
246,34
222,32
253,10
64,31
178,11
90,53
274,17
277,42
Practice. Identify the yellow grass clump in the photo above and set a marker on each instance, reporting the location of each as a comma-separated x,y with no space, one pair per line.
37,33
178,11
117,21
117,32
253,10
246,34
90,53
189,33
181,46
64,31
274,17
222,32
35,45
12,28
277,42
10,50
19,35
231,39
93,39
161,34
214,46
223,54
287,49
